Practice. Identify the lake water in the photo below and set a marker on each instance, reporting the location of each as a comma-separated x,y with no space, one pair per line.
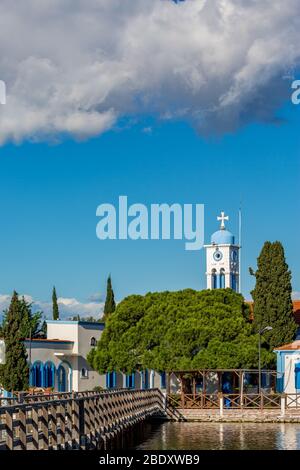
221,436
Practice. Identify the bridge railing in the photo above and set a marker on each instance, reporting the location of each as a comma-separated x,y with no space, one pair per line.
74,420
233,400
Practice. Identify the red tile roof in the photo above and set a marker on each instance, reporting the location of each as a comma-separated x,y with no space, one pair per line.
296,308
290,347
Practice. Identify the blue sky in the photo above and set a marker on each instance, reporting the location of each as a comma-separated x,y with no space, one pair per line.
154,100
49,195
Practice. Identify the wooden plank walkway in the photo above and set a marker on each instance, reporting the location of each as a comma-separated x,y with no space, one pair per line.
88,420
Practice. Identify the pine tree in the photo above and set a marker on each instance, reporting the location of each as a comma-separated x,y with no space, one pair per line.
55,305
15,372
272,296
110,304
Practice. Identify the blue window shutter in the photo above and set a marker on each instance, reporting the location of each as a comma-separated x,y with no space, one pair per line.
42,375
163,380
145,376
107,379
114,379
297,376
133,379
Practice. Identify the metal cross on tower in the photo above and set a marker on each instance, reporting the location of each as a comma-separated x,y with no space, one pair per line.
222,218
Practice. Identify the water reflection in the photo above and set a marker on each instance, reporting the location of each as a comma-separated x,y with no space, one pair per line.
225,436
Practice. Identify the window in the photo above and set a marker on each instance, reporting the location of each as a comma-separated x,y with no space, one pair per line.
222,278
234,282
297,377
49,374
111,379
214,279
145,379
130,380
84,373
163,381
93,342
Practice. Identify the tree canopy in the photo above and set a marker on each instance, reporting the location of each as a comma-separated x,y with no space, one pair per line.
14,373
110,304
179,330
272,296
31,324
55,311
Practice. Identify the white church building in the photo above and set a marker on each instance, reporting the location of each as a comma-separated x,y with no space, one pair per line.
223,259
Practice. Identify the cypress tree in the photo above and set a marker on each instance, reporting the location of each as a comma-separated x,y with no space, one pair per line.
272,296
15,372
110,304
55,310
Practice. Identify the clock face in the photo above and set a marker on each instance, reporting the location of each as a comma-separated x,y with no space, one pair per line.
217,255
234,255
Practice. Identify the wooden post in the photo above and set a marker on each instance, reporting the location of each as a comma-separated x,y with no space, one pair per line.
44,427
282,405
35,427
68,437
168,384
53,426
182,392
242,388
9,429
75,424
221,402
62,424
22,428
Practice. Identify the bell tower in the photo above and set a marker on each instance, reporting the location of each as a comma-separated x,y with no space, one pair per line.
222,259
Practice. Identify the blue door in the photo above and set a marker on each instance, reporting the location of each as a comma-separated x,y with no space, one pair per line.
61,379
297,377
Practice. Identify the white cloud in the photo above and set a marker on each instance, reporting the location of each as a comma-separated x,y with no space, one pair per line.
296,295
68,307
75,67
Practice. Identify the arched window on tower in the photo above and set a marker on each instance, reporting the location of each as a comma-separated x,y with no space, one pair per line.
93,341
222,278
214,279
234,282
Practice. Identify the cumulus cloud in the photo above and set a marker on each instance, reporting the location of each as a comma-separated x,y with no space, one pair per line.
296,295
68,307
74,67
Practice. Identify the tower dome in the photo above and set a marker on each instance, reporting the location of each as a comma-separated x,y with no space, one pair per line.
222,237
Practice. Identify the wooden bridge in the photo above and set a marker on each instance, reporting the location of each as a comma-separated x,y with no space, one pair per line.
85,420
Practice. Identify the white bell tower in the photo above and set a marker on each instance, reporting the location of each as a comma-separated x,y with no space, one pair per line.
222,259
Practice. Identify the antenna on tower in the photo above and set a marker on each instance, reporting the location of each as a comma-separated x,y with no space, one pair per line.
240,244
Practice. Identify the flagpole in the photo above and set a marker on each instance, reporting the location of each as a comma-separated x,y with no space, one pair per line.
240,251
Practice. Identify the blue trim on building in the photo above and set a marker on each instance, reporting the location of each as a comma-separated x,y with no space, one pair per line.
27,341
130,380
111,379
61,378
49,374
297,377
97,325
163,382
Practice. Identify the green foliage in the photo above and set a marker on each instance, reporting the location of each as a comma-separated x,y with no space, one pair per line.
30,323
179,330
272,296
55,311
14,374
75,318
110,304
86,319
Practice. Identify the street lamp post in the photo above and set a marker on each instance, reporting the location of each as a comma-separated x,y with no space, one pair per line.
260,332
